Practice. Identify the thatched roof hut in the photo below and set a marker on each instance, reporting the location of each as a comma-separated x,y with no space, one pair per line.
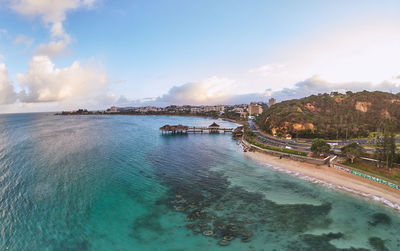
213,125
238,131
165,127
174,128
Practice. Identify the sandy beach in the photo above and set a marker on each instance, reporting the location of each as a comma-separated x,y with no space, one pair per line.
339,179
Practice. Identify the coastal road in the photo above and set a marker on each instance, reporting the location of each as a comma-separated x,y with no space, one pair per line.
305,147
278,142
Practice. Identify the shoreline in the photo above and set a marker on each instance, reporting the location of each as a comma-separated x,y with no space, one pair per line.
332,178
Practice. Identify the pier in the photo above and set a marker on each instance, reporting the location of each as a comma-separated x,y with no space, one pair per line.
213,128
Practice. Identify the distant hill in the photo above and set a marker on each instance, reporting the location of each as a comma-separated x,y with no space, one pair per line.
327,115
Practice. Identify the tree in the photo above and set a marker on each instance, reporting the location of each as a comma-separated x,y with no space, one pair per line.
352,151
319,146
385,148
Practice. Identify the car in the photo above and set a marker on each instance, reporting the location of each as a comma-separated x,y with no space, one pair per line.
288,147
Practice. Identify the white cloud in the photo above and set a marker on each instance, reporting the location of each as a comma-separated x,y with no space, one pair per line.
53,14
53,48
51,11
7,94
45,83
209,91
267,69
316,84
22,39
198,93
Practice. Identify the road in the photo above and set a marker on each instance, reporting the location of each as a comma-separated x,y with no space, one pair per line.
278,142
271,141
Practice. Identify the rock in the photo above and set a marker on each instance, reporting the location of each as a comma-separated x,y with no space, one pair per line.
228,237
247,234
223,243
245,239
208,233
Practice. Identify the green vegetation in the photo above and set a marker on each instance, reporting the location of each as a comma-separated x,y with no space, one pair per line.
371,169
385,150
283,150
352,151
320,146
233,115
350,115
248,133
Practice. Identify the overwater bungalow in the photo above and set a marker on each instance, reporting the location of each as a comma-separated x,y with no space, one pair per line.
213,128
238,131
174,129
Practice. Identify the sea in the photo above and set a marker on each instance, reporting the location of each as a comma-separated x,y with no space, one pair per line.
116,183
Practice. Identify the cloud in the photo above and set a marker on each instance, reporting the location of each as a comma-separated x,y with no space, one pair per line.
316,84
209,91
53,48
45,83
22,39
267,69
7,93
53,14
50,11
198,93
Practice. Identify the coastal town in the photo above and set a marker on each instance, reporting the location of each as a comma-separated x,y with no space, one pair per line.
239,111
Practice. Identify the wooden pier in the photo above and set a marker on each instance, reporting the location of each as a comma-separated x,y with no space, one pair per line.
213,128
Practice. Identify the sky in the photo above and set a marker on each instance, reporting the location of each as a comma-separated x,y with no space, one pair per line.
70,54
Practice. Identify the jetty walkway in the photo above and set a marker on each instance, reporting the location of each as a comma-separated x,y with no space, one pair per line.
213,128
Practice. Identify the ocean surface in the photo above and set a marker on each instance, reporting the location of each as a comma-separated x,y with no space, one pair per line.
115,183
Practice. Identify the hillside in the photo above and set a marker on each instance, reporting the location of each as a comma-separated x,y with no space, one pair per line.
324,115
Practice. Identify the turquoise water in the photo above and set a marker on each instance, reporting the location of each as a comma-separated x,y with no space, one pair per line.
115,183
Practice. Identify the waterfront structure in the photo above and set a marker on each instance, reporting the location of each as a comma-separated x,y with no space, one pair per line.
174,129
213,128
182,129
238,131
255,109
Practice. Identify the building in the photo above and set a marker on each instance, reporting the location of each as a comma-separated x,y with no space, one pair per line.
213,128
220,108
113,109
255,109
195,110
238,131
241,111
271,102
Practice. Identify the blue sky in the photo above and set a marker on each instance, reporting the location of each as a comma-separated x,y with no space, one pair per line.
68,54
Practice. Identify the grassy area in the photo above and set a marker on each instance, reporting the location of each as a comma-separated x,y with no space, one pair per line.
283,150
392,174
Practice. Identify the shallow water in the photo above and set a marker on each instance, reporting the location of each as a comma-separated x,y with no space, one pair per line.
115,183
